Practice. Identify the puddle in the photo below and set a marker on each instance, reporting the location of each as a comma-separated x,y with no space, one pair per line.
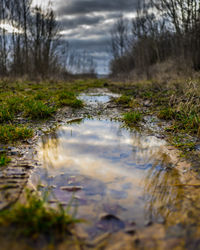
110,169
97,99
115,178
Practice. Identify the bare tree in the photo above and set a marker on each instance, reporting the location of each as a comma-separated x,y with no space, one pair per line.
173,33
120,38
33,45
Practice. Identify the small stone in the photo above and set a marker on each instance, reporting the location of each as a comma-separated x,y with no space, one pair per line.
71,188
29,141
14,152
148,223
130,230
110,223
147,104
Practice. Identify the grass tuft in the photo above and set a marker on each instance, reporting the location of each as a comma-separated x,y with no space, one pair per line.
6,114
37,109
35,218
15,104
123,100
69,99
167,113
132,117
11,133
4,160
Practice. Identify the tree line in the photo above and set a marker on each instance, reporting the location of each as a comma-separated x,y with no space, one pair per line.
161,30
31,44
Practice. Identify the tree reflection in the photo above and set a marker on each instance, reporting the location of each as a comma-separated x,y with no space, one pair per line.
50,152
161,185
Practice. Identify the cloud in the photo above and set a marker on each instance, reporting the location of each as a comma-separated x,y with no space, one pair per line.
73,22
86,24
72,7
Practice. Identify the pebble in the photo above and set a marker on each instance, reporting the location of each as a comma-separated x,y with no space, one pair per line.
71,188
130,230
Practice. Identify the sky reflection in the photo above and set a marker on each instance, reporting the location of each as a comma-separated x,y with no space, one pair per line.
120,171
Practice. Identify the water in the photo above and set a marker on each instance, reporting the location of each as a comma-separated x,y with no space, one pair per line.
110,163
119,177
94,99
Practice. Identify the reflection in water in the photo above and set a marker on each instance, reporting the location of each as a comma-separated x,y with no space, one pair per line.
159,184
119,172
93,98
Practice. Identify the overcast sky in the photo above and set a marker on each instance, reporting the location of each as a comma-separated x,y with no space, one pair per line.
87,23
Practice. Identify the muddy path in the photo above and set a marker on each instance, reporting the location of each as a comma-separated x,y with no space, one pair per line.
132,187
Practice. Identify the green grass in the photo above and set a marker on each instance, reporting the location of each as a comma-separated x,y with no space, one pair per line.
69,99
36,100
4,160
123,100
71,103
183,143
37,109
132,117
6,115
43,95
182,121
15,103
35,218
177,101
11,133
167,113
